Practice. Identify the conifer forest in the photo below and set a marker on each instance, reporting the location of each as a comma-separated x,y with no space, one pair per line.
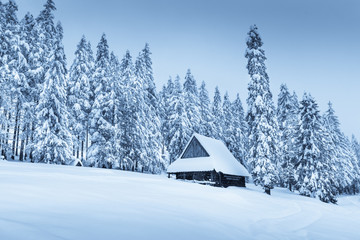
105,111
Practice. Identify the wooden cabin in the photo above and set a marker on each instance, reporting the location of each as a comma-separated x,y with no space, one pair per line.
208,160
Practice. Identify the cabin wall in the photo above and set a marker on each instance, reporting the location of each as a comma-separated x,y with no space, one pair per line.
199,176
194,150
220,179
231,180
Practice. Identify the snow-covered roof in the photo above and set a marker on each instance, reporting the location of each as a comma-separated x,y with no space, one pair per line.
220,159
76,162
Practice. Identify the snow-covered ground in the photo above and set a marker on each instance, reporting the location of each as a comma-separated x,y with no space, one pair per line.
61,202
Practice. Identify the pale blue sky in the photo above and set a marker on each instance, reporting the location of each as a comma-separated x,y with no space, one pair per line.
310,45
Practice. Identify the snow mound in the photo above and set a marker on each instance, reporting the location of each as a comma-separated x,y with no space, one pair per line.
46,202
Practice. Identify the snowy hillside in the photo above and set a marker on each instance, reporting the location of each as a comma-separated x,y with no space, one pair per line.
61,202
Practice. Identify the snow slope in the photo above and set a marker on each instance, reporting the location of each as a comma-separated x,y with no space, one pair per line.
61,202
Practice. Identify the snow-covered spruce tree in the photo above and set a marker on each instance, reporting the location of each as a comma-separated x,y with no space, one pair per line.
116,89
78,98
228,128
52,138
165,112
206,116
192,102
261,116
356,148
100,153
28,36
287,115
131,137
39,60
153,161
45,20
5,100
180,131
218,114
313,165
344,161
238,144
9,37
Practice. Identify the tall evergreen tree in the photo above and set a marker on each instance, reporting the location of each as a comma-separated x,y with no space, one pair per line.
28,88
313,165
5,74
206,116
287,115
47,25
132,141
218,114
192,102
101,115
12,75
151,120
165,112
261,118
228,127
356,148
53,139
79,97
343,159
238,144
180,131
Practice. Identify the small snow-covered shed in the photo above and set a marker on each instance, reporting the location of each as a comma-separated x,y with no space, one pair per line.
208,159
77,163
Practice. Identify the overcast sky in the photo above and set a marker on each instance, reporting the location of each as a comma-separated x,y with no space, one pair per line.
311,45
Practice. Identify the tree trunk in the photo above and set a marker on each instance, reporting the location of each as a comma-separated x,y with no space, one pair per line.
32,141
78,148
22,144
15,129
7,139
18,138
25,146
87,140
82,150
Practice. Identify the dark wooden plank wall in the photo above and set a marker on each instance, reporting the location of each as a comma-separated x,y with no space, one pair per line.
194,149
221,180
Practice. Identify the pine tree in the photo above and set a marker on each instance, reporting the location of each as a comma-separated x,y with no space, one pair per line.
47,25
79,97
287,115
132,142
238,143
9,71
27,88
53,139
356,148
263,129
180,131
313,165
192,102
153,161
37,63
5,87
165,112
206,116
228,127
343,159
101,115
218,114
